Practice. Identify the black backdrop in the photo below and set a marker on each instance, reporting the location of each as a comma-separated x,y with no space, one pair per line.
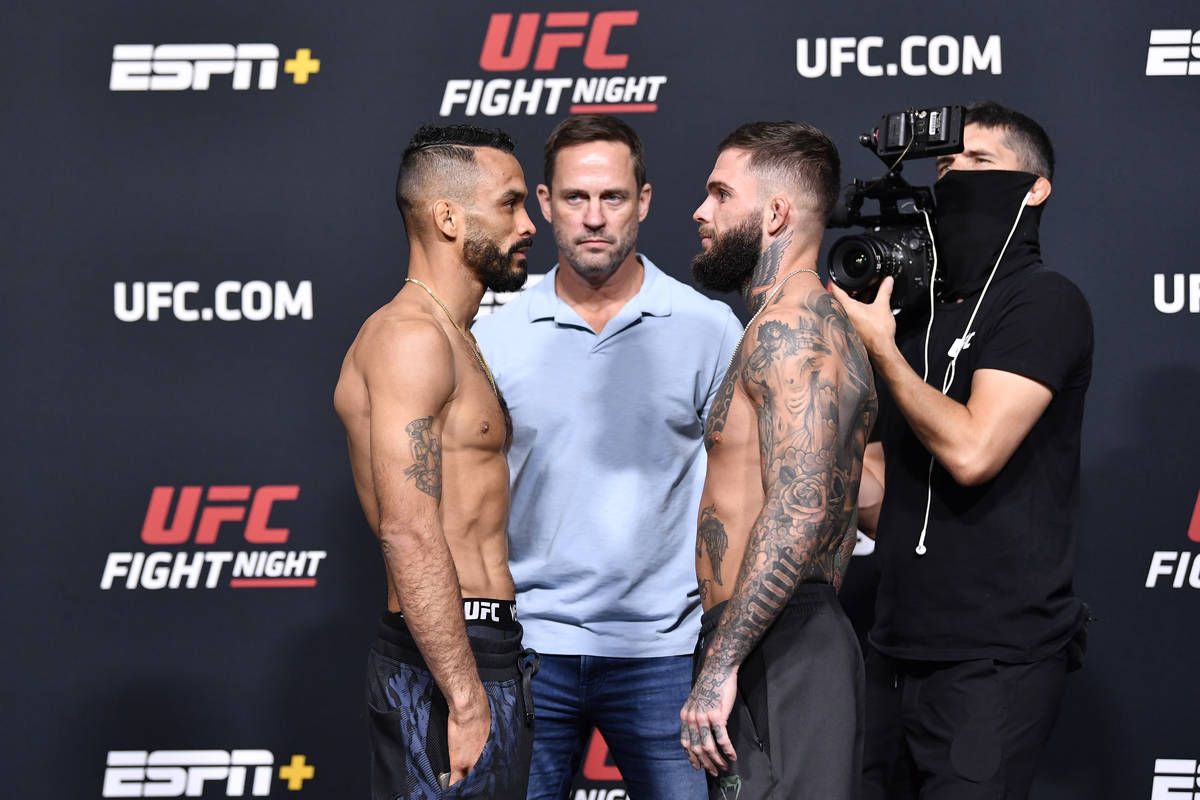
271,207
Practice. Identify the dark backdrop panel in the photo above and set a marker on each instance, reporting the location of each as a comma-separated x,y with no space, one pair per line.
291,186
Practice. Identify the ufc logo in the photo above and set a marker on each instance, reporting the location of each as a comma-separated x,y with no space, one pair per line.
233,504
562,30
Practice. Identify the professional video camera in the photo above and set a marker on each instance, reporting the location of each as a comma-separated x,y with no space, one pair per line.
897,239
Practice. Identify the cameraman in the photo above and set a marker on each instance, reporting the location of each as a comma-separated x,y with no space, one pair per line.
976,615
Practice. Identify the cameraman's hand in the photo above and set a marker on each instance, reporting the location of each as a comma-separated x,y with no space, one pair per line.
874,322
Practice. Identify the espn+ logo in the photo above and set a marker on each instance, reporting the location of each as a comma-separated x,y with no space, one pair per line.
537,41
1175,779
1173,51
185,773
201,515
181,67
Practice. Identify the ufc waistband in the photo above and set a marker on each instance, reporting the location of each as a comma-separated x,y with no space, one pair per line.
807,599
494,634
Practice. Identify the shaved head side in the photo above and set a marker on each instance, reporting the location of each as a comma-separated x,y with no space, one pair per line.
438,163
793,157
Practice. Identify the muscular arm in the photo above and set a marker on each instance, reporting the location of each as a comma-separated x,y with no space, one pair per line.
973,441
409,373
804,373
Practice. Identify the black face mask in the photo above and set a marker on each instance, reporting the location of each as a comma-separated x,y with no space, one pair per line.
975,212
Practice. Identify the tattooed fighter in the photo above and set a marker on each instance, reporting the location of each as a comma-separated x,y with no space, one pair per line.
447,686
776,706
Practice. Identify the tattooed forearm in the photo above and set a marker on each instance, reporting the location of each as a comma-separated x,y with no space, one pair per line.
426,469
711,536
765,272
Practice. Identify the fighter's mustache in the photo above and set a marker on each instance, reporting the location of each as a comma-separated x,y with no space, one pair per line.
522,244
709,232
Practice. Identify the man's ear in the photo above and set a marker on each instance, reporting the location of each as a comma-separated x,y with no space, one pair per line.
1040,192
543,195
775,214
447,218
643,202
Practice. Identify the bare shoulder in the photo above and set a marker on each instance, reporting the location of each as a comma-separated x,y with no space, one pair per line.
811,325
398,348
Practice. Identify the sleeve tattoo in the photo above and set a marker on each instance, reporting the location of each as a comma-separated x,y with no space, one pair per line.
426,469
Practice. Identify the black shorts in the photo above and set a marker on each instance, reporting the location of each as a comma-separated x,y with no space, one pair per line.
407,711
797,720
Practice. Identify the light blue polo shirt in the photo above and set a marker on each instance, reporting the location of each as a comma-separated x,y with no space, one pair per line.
607,462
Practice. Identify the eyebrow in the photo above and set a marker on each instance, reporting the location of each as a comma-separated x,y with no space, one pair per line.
512,194
719,185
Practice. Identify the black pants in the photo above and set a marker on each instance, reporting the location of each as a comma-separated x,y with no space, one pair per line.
408,715
797,721
963,730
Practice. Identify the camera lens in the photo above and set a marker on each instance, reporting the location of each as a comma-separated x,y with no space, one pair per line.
854,263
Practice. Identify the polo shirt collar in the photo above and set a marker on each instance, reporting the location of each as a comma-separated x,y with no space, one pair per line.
653,298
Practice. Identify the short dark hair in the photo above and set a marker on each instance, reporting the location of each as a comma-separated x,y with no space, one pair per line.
586,128
1024,137
797,153
442,157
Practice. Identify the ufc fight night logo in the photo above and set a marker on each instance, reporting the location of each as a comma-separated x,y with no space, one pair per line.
230,301
918,56
1181,567
1174,51
199,773
1175,779
536,43
182,67
198,516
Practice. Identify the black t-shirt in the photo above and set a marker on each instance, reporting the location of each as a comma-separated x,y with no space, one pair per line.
995,581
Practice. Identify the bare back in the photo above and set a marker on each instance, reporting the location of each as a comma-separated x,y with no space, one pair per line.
427,439
785,439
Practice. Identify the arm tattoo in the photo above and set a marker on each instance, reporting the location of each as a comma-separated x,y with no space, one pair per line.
766,271
426,469
715,423
816,403
711,536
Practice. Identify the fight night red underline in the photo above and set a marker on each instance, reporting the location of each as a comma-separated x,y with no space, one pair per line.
272,583
614,108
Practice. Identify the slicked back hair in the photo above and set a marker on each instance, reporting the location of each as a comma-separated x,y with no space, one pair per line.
585,128
442,160
791,155
1024,137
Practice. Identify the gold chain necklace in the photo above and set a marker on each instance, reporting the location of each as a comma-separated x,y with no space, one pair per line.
468,339
733,356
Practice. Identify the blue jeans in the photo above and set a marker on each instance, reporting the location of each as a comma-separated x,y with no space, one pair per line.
635,703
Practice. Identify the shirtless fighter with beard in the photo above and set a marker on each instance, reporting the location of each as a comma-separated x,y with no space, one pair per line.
447,685
776,707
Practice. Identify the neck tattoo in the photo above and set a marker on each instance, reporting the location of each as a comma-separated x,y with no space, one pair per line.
738,349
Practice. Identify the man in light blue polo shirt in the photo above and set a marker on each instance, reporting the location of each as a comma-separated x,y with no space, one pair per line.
608,366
